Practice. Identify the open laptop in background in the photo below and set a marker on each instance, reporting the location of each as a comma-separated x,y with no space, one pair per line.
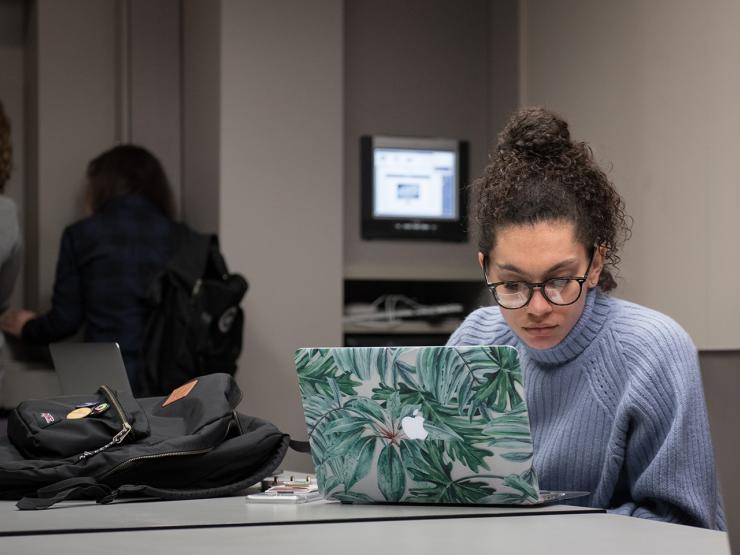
420,425
83,367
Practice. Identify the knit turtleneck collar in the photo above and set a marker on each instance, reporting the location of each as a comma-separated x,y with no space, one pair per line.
588,326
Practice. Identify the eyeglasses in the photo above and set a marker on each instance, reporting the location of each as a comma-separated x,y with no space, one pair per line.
560,291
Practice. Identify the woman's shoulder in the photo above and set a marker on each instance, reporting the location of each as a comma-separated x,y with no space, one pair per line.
8,206
8,219
10,234
79,229
128,216
637,323
655,347
484,326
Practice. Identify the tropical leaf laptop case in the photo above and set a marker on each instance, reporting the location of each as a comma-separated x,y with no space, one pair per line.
418,424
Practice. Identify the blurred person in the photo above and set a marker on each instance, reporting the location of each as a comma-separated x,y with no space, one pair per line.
10,237
108,260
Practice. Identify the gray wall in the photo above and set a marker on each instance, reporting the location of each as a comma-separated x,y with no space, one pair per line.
153,66
422,68
653,86
503,65
201,101
281,190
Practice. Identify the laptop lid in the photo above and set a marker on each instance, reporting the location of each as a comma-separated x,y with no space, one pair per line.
83,367
418,424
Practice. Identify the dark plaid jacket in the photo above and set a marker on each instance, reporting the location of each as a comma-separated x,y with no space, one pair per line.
106,264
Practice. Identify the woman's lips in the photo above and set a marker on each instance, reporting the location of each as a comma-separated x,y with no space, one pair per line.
539,331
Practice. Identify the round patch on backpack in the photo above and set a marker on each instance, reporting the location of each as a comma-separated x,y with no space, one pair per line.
227,319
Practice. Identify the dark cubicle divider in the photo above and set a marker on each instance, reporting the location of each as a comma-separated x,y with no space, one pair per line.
721,377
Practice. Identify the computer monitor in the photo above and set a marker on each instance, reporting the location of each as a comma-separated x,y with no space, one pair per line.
414,188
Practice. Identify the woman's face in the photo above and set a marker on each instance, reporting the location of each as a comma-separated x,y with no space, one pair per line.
535,253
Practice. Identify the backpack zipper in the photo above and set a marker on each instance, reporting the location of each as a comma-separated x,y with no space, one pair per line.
154,456
120,436
167,453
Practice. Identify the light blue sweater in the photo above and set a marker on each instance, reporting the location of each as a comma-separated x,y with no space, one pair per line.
617,409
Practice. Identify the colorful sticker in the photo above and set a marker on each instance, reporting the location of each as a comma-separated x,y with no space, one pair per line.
180,392
81,412
48,417
87,404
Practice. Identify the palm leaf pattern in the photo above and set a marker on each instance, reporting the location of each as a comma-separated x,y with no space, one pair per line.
471,399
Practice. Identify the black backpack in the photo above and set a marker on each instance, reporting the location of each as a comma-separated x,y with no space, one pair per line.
107,445
196,323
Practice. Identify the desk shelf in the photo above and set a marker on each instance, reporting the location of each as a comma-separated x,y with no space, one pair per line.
434,331
405,327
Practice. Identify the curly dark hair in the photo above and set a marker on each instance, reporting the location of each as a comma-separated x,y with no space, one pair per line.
538,174
6,150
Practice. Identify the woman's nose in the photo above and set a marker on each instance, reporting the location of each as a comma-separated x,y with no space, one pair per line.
538,304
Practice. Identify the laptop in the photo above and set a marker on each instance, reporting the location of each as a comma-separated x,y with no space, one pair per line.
84,367
420,425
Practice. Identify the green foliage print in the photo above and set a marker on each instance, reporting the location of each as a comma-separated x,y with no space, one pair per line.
473,410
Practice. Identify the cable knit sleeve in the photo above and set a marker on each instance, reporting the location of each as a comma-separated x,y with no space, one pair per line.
668,460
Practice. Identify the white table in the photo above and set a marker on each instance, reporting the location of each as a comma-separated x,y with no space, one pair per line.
568,534
83,517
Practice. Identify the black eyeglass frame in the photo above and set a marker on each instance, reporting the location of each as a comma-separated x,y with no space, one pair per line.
538,285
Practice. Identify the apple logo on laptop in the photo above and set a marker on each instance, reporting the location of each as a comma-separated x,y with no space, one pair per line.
414,427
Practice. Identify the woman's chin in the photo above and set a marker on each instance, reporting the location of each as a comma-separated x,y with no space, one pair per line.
538,341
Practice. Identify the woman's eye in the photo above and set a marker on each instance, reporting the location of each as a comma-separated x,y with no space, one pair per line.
512,286
558,283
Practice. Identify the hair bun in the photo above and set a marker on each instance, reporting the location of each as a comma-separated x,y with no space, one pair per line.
537,131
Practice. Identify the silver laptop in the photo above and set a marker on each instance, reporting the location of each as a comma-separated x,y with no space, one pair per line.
84,367
420,425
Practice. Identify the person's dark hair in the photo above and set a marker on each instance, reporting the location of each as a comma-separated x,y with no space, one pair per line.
129,169
6,149
537,174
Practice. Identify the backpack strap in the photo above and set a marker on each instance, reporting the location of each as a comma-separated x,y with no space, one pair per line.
300,446
190,255
87,488
215,258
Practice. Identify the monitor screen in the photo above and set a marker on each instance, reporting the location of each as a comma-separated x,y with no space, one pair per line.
413,188
414,184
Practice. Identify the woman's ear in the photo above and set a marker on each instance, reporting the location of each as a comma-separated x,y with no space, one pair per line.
597,265
482,262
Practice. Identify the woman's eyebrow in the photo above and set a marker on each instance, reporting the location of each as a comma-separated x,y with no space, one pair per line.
556,267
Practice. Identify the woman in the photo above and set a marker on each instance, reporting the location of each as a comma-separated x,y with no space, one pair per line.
613,389
108,260
10,237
